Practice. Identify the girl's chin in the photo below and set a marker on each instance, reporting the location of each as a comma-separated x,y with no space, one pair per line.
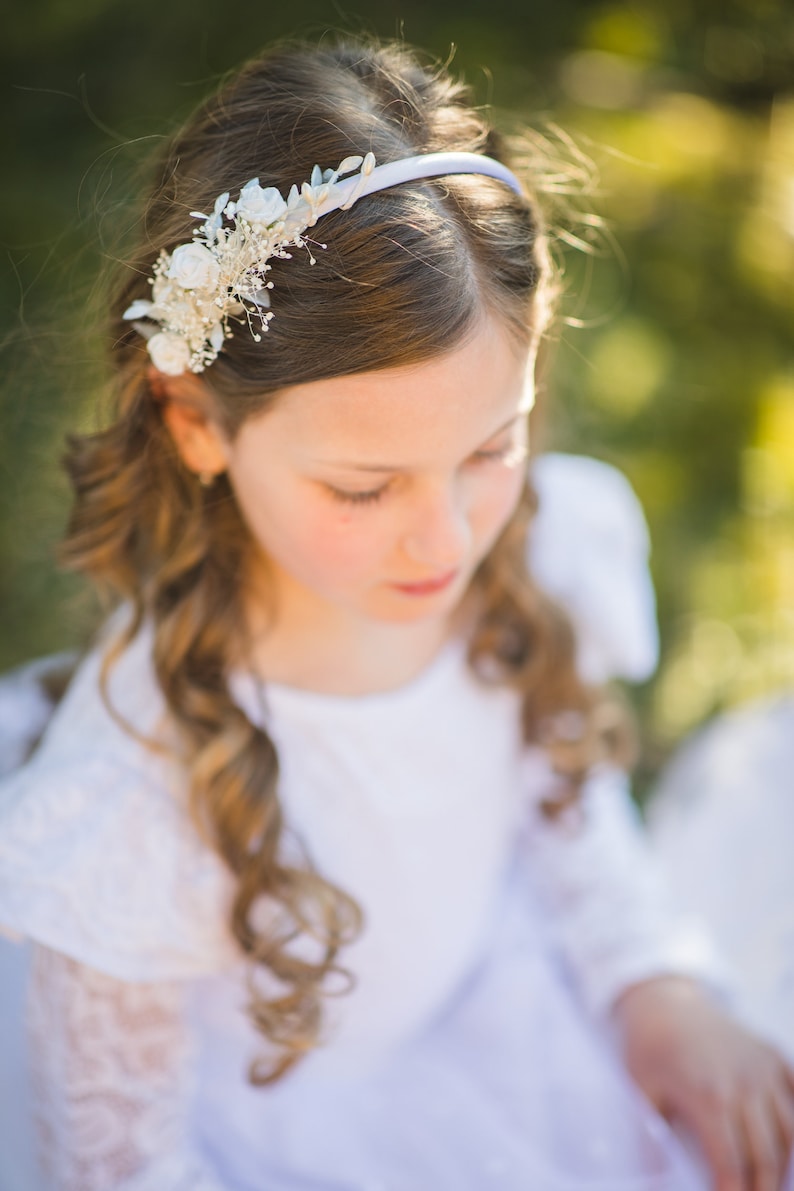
400,607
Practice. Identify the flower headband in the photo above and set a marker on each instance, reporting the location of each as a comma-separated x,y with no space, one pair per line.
220,275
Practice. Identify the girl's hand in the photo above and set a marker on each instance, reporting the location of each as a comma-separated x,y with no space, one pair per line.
697,1065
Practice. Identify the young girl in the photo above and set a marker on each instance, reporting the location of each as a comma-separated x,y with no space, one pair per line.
326,854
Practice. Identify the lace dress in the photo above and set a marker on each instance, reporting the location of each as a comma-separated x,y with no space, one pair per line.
474,1051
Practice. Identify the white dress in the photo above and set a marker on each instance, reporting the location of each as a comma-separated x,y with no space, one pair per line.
723,822
474,1051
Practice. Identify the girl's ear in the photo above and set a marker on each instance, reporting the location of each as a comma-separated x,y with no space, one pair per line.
186,409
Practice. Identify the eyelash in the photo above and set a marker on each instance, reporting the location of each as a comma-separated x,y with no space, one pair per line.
496,455
358,498
372,497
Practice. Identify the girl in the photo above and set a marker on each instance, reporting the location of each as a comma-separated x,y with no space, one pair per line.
326,854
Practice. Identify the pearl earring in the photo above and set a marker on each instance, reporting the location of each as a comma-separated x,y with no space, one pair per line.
206,479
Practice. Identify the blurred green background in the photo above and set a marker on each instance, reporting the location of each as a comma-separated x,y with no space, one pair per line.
682,372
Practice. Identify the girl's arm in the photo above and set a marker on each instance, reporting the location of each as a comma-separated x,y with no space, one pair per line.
639,959
612,912
111,1070
700,1067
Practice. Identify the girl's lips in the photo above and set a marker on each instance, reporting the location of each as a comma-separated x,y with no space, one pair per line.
428,587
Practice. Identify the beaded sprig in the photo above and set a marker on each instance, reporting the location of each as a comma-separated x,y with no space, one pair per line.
220,276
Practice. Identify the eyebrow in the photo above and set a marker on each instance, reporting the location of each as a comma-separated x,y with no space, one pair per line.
381,467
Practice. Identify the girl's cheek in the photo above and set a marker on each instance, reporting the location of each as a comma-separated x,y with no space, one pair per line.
499,500
346,537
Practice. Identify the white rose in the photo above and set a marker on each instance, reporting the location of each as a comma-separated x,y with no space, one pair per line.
259,205
193,267
170,353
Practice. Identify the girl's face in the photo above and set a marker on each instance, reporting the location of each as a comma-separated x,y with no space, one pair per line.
378,494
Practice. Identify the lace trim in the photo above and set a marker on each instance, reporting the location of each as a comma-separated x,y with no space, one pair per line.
102,863
111,1069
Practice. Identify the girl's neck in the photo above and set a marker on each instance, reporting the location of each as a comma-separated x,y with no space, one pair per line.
320,648
363,664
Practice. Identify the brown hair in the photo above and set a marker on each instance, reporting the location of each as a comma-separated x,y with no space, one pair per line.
406,275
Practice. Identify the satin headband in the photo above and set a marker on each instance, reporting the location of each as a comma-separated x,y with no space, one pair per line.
220,276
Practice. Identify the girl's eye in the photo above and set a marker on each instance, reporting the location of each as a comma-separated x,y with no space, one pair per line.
512,454
357,498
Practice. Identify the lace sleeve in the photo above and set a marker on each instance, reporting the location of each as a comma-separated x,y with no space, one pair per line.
110,1064
613,911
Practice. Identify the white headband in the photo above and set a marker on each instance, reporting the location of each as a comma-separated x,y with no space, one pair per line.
410,169
221,274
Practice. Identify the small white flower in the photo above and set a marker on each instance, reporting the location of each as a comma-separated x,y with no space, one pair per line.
216,337
258,205
193,267
349,163
298,215
221,274
212,224
139,309
170,353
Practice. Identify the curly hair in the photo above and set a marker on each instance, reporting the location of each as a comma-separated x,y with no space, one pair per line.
405,277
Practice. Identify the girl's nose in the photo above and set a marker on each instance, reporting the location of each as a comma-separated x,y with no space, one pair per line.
440,535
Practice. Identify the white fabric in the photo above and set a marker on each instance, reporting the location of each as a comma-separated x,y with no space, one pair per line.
25,709
112,1064
97,855
589,549
723,823
412,801
612,902
17,1135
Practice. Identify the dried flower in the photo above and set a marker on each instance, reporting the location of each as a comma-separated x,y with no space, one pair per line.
220,275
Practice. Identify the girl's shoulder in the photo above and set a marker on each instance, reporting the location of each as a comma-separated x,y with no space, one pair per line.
99,858
589,549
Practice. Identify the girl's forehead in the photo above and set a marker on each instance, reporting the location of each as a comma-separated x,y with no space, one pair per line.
460,398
